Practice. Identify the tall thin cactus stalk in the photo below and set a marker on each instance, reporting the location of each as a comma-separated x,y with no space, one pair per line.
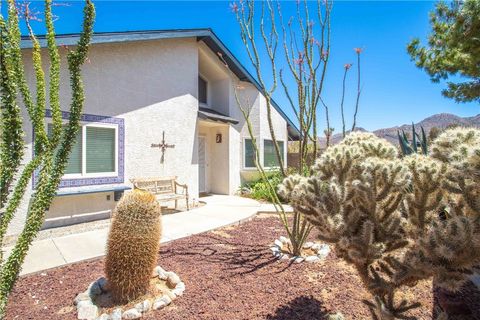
50,152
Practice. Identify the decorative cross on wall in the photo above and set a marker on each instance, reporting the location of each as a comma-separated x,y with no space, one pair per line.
163,147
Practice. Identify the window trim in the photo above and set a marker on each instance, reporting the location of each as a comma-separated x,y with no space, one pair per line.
244,167
94,179
263,154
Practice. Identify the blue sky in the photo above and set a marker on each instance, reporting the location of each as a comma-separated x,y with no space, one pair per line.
394,90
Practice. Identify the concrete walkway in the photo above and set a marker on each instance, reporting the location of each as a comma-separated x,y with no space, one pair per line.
219,211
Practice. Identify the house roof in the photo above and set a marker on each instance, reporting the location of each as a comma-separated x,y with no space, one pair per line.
206,35
209,114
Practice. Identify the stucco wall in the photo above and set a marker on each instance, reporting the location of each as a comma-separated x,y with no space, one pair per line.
153,87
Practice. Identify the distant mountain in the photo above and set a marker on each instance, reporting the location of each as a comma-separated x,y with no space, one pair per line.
440,121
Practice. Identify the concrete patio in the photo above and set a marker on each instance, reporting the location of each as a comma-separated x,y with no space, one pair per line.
219,211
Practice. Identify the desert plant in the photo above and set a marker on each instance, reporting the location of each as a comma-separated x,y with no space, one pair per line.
409,147
381,212
133,244
50,153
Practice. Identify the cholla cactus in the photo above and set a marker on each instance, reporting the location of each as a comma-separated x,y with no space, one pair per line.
133,244
396,220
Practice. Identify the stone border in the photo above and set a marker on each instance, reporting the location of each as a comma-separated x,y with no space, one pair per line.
321,251
87,310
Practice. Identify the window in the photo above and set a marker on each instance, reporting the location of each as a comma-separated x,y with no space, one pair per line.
269,155
202,90
94,152
249,154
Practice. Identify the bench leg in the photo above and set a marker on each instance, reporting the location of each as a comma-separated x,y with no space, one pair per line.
188,205
176,204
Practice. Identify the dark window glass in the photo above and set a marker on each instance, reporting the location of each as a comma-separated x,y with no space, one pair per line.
249,154
269,156
202,90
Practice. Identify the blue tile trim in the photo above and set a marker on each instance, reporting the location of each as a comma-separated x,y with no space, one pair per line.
68,183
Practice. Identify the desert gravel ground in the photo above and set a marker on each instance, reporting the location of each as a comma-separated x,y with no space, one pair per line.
229,273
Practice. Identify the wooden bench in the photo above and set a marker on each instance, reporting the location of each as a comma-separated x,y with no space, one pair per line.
164,188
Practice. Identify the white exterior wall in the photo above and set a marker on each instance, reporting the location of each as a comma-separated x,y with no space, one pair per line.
152,85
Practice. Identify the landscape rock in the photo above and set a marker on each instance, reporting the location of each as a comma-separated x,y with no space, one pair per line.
299,259
312,258
323,251
159,304
316,246
94,289
143,306
116,314
160,273
284,240
86,310
165,298
335,316
278,243
308,245
82,296
132,314
275,249
172,279
104,316
102,283
179,289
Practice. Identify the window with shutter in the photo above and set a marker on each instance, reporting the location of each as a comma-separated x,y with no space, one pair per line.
100,149
74,165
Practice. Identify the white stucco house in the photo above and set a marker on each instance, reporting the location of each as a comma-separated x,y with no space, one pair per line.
140,86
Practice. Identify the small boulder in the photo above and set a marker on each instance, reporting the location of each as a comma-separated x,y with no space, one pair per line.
143,306
172,279
278,243
335,316
132,314
160,272
284,240
179,289
86,310
104,316
94,289
312,259
308,245
159,304
82,296
102,283
165,298
298,259
116,314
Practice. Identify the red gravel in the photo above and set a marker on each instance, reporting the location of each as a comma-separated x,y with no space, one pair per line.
229,274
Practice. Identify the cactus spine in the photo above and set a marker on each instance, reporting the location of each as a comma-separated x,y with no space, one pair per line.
397,220
133,244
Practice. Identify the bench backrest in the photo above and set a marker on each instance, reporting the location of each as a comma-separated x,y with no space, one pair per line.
163,185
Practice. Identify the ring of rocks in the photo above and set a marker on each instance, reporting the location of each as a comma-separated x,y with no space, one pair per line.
87,310
321,251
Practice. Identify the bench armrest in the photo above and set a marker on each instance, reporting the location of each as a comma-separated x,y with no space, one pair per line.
184,186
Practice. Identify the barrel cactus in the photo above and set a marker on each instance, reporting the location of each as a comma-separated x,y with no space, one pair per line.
397,220
133,245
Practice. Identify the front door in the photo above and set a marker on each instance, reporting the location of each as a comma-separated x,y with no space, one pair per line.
202,164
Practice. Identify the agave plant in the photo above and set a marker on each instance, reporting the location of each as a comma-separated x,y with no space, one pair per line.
411,147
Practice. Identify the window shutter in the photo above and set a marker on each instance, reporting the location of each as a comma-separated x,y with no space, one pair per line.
249,154
269,156
100,152
74,165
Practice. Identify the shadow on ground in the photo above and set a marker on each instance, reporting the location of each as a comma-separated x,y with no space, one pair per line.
240,259
303,307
